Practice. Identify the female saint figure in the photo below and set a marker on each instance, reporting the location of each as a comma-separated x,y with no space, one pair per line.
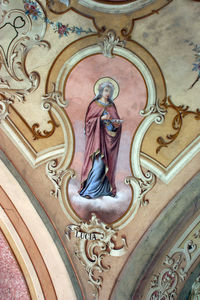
103,132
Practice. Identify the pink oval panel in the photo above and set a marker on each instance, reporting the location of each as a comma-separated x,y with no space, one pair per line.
131,99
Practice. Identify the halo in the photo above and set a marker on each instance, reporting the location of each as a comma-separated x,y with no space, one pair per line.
107,79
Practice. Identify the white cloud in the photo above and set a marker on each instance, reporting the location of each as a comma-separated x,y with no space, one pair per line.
108,209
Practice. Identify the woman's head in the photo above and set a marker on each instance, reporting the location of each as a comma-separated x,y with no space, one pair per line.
106,90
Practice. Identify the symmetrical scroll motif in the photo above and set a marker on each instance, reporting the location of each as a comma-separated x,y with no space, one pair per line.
19,33
177,264
141,181
109,42
181,112
95,240
156,108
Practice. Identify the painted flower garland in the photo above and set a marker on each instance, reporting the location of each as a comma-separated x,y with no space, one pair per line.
32,9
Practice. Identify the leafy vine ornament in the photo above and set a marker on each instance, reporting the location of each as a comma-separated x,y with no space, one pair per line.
181,112
109,42
95,240
32,9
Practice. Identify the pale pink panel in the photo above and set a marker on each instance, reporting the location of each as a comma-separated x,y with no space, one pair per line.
12,282
132,98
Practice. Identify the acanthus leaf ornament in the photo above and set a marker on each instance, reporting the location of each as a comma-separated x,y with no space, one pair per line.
109,42
95,240
181,112
55,96
4,106
156,108
56,176
22,33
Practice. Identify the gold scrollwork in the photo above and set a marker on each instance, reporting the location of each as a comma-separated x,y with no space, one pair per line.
181,112
37,134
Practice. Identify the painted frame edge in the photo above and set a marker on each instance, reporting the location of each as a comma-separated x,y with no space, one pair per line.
34,158
117,9
151,113
129,278
46,222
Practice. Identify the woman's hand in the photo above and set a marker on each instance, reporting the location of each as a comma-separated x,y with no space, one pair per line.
105,117
116,125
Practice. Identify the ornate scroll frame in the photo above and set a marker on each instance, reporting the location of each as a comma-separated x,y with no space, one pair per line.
177,264
13,57
88,235
16,83
59,173
94,241
100,12
134,8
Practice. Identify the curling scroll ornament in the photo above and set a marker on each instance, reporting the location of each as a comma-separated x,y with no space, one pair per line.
109,42
4,108
182,112
95,240
69,187
176,265
19,33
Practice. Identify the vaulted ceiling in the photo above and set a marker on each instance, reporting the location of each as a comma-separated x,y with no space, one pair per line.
55,56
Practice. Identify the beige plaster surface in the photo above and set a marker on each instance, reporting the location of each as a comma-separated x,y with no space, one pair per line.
164,36
175,58
40,59
159,197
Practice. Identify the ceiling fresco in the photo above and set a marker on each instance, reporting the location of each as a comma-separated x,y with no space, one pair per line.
99,120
